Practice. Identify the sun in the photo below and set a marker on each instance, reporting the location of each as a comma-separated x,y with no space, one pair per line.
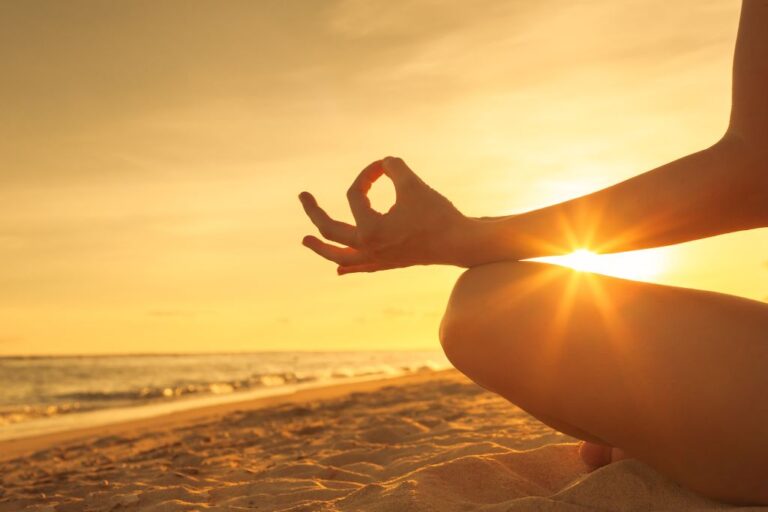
642,265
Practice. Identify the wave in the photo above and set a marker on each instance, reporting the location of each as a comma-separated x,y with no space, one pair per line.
89,400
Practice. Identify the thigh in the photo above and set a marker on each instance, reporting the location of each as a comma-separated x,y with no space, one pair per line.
676,377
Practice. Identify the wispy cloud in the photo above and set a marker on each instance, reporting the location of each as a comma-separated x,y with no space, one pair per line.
397,312
173,313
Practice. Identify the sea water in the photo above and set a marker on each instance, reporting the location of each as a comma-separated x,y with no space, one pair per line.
48,394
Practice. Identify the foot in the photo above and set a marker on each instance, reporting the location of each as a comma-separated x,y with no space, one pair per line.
598,455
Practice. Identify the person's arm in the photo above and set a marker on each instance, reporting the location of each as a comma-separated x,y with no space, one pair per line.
749,111
719,190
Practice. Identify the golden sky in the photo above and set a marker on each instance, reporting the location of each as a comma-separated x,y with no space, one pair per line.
151,153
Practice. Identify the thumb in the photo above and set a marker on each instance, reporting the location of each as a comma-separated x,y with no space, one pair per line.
396,170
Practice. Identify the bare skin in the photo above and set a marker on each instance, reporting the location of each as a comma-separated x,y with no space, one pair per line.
673,377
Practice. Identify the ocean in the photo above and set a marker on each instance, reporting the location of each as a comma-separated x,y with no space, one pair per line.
47,394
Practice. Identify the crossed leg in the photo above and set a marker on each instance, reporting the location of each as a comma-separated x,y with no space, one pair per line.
674,377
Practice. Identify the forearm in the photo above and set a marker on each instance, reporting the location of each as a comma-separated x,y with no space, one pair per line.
711,192
719,190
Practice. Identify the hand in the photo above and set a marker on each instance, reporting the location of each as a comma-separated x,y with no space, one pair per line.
421,228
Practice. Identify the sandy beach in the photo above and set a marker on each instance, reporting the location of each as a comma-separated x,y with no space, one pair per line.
427,442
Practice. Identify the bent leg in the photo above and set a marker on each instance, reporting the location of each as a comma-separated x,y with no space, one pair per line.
675,377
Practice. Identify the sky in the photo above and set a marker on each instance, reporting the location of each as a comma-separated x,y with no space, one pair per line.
151,154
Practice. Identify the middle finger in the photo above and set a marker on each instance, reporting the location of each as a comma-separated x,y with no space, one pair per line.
330,228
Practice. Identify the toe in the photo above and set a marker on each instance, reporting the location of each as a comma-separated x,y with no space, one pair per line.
618,454
595,455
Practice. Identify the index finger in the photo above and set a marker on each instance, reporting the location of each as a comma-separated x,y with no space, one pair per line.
357,195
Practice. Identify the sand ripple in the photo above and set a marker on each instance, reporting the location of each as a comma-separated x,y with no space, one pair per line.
443,445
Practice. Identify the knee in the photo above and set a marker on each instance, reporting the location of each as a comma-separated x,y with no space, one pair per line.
451,326
487,306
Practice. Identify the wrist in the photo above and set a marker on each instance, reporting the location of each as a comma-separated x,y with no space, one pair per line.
479,241
470,242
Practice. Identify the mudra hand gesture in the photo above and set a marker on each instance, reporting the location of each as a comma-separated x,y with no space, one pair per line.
421,228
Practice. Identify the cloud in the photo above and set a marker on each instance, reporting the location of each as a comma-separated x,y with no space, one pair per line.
173,313
415,19
397,312
191,91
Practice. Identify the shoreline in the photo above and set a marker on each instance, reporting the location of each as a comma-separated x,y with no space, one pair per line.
14,447
139,411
